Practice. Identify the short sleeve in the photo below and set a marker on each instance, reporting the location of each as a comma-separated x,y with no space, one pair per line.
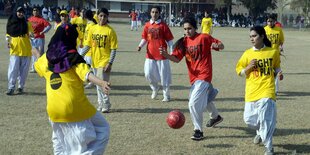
82,69
41,65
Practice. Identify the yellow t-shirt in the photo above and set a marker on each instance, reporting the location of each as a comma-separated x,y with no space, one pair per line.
88,27
81,25
101,39
260,82
206,25
96,17
275,35
66,101
21,46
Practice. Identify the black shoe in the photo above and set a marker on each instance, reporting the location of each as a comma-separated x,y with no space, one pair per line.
213,122
10,92
198,135
20,91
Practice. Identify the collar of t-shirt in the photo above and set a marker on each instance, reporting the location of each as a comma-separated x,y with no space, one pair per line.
256,49
156,22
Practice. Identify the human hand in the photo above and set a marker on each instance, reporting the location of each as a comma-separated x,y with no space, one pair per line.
280,76
252,64
163,52
105,86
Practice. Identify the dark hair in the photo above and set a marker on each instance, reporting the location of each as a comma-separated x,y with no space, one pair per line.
104,10
261,32
272,16
179,44
191,21
89,15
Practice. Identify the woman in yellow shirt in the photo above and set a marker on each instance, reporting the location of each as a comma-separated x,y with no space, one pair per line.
258,65
18,32
77,127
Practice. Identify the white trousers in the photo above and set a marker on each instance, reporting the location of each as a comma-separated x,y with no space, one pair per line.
81,138
201,98
261,115
134,25
158,71
39,44
18,70
103,99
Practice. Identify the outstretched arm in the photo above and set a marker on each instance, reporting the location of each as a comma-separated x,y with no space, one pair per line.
164,53
105,86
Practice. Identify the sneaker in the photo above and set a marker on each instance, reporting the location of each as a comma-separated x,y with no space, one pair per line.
198,135
213,122
10,92
105,110
257,139
89,85
20,91
99,108
269,152
166,99
154,94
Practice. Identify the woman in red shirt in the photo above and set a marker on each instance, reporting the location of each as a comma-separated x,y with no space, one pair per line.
196,48
157,34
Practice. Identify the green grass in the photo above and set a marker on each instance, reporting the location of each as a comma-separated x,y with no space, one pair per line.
138,123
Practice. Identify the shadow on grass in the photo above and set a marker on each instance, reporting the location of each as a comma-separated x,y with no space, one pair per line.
290,93
164,110
148,110
219,146
135,74
297,73
278,132
145,87
295,148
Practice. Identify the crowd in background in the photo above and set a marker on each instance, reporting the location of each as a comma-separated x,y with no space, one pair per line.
219,16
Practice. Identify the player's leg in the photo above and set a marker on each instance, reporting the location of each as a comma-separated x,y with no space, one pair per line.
105,98
152,75
250,117
267,118
197,104
132,24
23,72
215,118
102,132
13,73
165,76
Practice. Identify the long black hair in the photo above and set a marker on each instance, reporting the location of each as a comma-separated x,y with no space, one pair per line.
179,44
90,16
261,32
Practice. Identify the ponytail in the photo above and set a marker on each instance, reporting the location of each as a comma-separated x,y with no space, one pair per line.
179,45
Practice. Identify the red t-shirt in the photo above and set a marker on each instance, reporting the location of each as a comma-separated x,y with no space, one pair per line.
198,56
156,35
278,24
38,25
133,16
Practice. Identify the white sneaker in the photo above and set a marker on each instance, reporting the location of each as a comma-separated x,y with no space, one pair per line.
166,99
154,94
257,140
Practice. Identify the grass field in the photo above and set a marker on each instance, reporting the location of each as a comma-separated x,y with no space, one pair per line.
138,123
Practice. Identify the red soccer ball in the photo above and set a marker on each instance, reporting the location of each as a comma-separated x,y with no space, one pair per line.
175,119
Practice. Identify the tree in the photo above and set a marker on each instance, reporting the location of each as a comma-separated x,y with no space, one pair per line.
304,7
280,8
257,7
